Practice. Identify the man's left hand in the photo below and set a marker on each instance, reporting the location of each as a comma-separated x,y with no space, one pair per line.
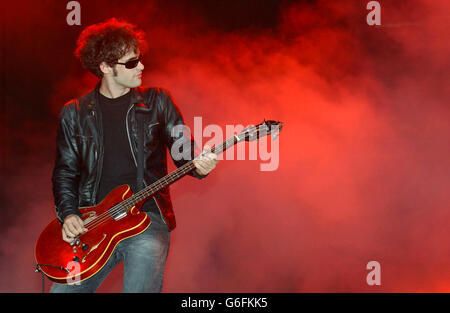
205,163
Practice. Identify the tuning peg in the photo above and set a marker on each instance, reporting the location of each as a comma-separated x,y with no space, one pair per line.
275,135
278,130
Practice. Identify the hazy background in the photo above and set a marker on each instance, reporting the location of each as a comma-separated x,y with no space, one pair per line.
364,155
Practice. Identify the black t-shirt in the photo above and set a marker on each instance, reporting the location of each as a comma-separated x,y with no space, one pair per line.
118,167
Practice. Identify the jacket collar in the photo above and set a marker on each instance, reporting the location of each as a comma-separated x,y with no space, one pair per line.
91,99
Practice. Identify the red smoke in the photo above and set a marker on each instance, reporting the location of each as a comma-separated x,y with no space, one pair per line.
363,172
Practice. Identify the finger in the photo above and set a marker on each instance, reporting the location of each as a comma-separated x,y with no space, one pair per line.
206,149
78,226
81,227
211,155
199,162
73,229
199,165
70,230
201,169
209,166
208,169
66,238
69,234
212,158
203,163
209,163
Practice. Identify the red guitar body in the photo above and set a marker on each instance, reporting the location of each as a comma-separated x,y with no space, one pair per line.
64,263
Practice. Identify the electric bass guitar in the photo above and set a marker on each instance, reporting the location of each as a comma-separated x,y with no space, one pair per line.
114,219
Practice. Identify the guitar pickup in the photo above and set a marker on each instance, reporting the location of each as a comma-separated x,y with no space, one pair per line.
121,215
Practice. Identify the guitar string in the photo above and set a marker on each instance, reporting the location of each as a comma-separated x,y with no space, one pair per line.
109,214
119,208
148,191
145,193
126,204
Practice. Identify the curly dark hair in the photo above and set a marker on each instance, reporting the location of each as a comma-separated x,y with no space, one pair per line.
108,42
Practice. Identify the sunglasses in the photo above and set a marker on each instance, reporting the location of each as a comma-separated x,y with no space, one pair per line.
132,63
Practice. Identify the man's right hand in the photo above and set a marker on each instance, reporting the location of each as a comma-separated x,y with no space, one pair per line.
72,227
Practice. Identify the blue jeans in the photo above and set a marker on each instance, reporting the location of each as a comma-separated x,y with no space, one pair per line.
144,257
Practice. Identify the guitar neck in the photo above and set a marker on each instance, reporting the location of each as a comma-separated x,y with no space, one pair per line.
176,174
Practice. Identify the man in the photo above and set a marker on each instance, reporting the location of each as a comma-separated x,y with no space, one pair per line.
98,149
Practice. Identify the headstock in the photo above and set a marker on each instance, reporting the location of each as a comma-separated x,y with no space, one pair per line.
270,127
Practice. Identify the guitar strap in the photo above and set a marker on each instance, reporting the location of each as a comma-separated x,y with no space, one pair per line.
140,118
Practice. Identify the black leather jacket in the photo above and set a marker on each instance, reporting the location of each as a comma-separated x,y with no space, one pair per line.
79,151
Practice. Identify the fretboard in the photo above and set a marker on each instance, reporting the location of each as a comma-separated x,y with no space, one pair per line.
170,178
